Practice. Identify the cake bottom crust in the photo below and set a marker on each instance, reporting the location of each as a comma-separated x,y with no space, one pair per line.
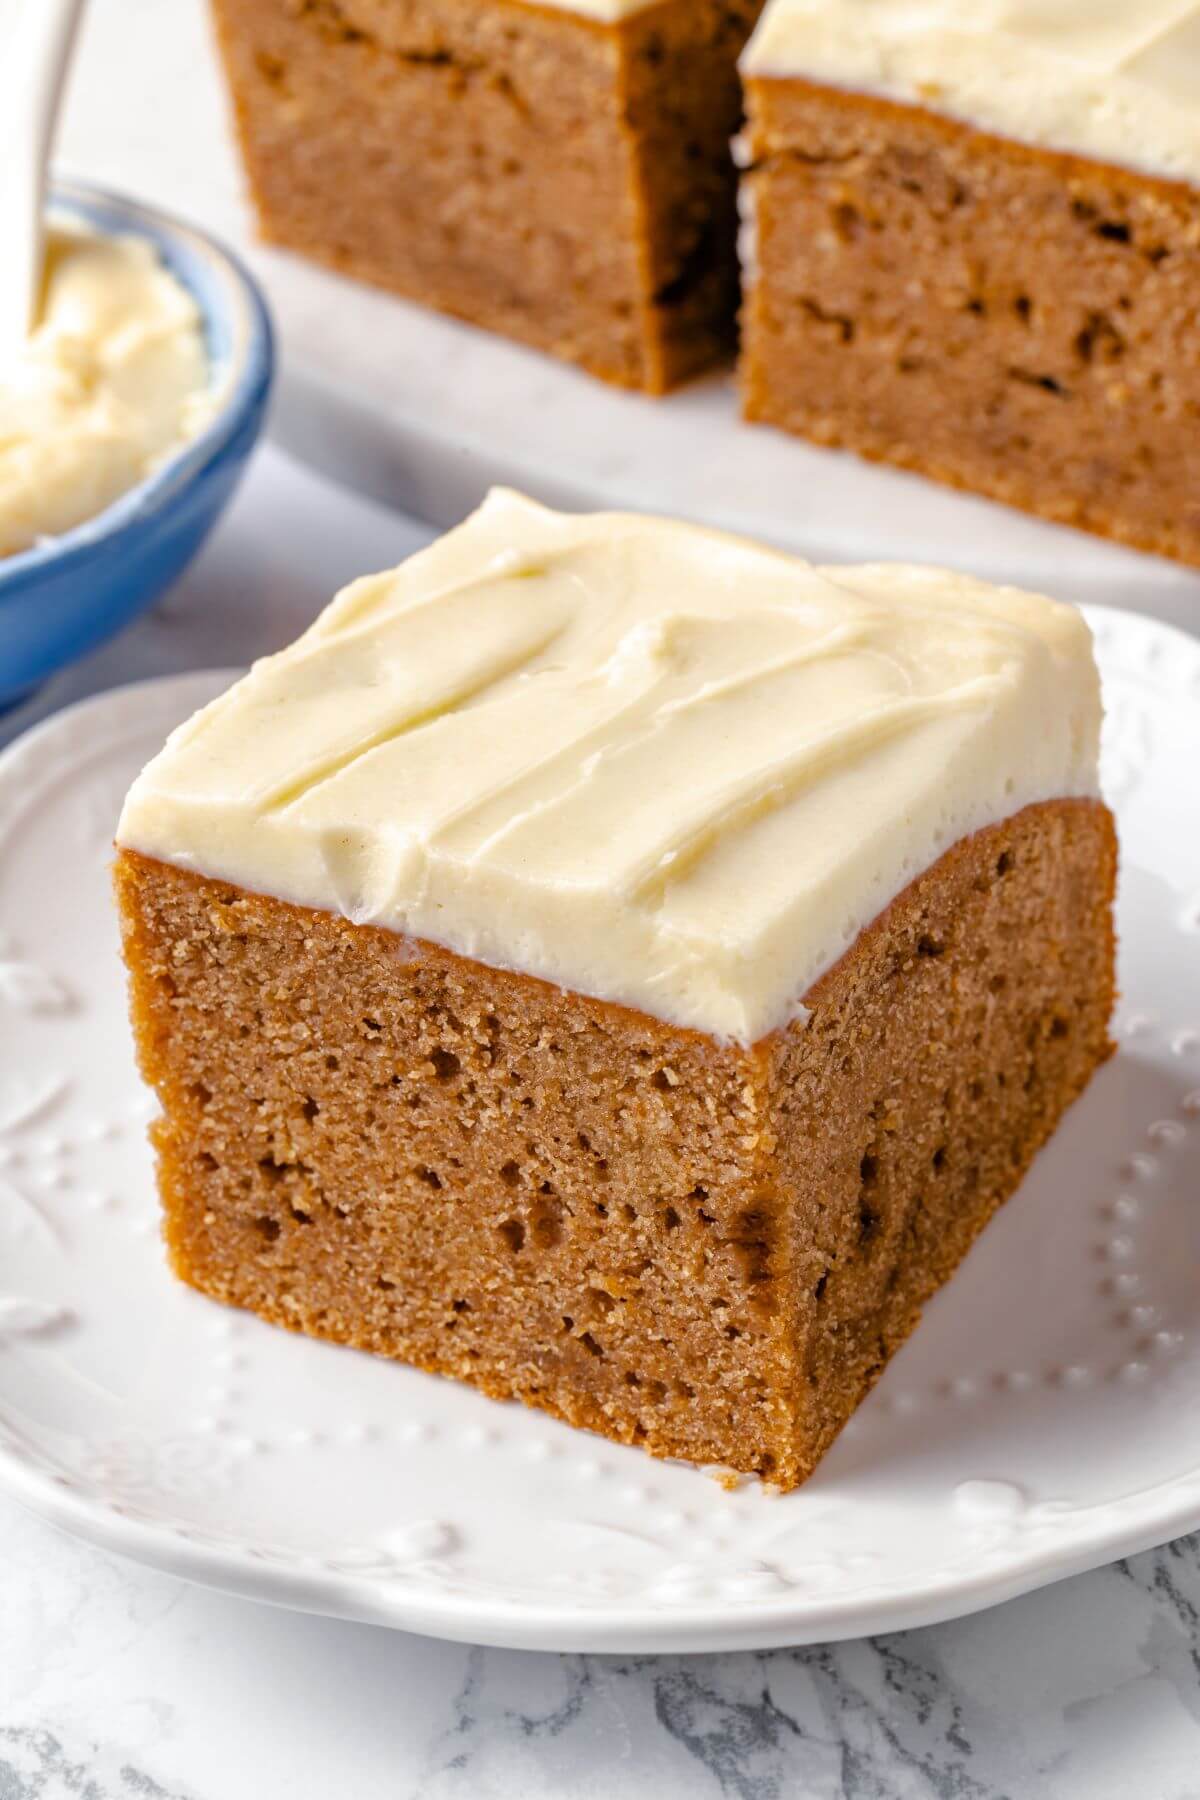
705,1249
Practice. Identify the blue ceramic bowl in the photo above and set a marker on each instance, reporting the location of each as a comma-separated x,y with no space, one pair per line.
63,597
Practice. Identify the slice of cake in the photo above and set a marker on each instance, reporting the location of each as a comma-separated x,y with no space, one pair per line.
973,248
623,967
560,173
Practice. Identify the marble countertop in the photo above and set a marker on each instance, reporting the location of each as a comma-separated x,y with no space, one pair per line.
117,1683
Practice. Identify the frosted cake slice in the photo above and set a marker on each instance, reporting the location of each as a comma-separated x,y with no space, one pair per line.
623,967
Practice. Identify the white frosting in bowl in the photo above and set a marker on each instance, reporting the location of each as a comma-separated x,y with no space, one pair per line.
113,379
1113,80
648,762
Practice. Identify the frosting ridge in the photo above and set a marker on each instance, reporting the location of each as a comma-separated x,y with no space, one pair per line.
650,762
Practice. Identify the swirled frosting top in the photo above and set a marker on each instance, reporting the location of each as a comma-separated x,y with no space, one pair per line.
1114,80
648,762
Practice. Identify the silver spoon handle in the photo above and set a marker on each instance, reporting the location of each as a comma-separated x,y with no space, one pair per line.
36,39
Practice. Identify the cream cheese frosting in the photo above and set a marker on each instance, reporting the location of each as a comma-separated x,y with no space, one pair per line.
113,378
648,762
1113,80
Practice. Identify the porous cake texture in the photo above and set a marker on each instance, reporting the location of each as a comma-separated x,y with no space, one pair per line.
558,173
642,1016
973,249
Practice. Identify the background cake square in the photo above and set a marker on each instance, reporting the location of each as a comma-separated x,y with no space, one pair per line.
558,173
623,967
973,249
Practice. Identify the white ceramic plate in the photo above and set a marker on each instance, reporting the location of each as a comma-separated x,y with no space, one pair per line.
1045,1417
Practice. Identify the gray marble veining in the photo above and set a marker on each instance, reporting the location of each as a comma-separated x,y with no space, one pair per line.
1077,1690
120,1684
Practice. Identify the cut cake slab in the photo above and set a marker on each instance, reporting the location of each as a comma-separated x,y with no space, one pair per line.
623,967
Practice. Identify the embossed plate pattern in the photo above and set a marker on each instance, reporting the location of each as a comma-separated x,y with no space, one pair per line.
1043,1419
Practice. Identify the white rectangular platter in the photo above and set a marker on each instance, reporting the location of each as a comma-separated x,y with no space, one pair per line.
425,413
